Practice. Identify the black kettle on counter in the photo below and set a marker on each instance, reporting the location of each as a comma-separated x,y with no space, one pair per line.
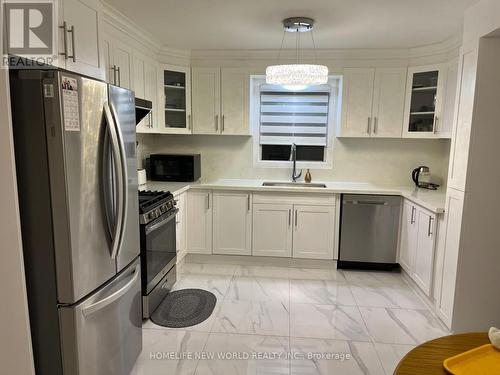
421,176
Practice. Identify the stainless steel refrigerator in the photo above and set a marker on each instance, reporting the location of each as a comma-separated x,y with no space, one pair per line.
76,168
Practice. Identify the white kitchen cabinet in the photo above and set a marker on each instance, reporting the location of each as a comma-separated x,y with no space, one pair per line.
232,223
206,100
425,89
408,237
424,254
417,244
444,127
313,232
118,60
79,37
272,230
459,152
123,61
357,99
388,102
146,87
450,251
234,101
199,222
373,102
175,116
180,226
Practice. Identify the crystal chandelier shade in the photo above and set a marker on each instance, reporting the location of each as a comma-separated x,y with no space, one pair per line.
297,76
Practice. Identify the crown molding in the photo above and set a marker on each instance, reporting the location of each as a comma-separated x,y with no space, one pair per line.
124,24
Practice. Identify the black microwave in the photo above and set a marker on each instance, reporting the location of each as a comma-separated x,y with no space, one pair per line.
174,167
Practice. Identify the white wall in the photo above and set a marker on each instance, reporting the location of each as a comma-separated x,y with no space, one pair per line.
15,340
383,161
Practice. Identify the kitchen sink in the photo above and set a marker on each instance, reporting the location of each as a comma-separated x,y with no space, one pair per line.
294,184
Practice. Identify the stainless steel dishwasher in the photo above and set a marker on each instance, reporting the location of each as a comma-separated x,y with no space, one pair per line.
369,231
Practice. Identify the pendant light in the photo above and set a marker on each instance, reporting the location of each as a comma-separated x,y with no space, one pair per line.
297,76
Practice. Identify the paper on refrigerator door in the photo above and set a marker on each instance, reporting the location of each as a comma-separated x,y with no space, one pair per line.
71,110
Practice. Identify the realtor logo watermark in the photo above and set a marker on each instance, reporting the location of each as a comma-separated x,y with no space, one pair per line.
29,33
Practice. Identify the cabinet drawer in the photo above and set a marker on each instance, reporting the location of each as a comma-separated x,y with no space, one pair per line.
315,199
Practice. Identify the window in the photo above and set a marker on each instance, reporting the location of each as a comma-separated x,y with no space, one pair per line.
281,117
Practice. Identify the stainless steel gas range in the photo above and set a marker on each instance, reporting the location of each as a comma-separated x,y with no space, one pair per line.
158,247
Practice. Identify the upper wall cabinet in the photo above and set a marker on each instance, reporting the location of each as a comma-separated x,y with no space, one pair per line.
424,105
234,101
220,101
175,100
118,58
373,102
206,101
145,83
80,29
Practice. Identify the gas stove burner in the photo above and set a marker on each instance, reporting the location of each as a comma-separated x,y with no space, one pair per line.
153,204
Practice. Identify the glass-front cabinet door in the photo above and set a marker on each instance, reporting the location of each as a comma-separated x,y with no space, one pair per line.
423,101
176,103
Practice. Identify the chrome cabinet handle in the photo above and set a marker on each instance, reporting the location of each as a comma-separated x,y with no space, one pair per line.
248,202
223,118
189,122
65,40
114,74
429,232
368,127
208,201
216,123
375,125
296,219
119,76
436,121
73,48
412,220
289,217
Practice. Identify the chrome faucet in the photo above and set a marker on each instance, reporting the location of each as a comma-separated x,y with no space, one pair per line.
293,157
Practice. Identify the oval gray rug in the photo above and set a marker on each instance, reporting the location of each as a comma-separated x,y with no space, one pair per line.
184,308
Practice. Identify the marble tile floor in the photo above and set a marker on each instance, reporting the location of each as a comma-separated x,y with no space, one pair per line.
288,320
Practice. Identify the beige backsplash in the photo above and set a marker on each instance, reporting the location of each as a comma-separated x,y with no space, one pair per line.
381,161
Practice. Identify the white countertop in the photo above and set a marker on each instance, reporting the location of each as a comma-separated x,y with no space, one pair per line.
433,200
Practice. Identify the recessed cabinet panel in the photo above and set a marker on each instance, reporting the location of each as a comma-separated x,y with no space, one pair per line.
408,237
313,232
206,101
388,102
272,230
232,223
199,218
424,255
84,17
357,102
234,101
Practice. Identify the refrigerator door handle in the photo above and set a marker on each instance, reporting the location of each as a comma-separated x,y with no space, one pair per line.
106,301
115,147
124,176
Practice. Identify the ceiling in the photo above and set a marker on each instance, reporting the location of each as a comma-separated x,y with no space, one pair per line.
256,24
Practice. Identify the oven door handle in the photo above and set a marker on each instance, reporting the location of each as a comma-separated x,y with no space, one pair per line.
153,227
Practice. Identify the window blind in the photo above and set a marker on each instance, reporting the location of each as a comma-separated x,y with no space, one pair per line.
288,117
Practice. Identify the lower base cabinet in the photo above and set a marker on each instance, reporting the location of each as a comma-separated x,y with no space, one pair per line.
272,230
417,244
313,232
232,223
199,219
294,230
